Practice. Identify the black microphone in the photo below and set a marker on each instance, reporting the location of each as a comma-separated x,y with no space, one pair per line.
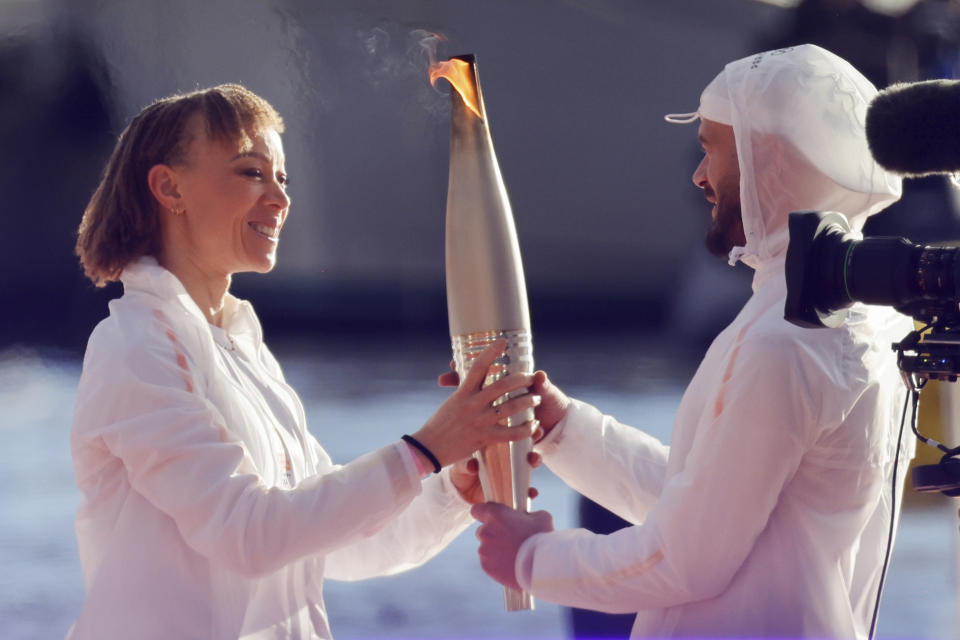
913,129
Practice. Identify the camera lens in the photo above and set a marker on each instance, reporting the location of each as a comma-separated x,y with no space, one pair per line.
828,269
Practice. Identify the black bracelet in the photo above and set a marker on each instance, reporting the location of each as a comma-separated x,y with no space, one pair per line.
422,449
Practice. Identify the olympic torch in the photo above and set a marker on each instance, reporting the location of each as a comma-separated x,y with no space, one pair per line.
486,292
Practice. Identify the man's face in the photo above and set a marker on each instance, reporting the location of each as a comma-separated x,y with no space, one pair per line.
718,174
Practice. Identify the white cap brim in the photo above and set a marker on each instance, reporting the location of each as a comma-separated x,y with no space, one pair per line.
714,105
682,118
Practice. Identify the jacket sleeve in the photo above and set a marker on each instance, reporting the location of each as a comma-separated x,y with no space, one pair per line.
426,527
614,465
138,401
709,515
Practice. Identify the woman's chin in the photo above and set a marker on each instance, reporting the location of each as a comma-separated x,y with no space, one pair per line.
267,267
262,264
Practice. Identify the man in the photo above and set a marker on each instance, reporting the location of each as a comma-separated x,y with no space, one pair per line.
768,514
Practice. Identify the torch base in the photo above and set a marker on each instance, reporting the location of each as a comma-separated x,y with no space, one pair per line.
517,600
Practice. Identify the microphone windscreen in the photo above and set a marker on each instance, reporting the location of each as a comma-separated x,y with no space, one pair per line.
913,129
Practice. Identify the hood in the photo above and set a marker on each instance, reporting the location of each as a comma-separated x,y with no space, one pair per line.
798,119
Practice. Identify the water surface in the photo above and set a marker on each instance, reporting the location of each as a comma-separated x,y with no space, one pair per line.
359,396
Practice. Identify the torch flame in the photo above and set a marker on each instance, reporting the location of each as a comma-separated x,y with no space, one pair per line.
457,73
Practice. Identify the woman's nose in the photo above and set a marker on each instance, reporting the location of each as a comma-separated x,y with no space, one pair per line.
278,195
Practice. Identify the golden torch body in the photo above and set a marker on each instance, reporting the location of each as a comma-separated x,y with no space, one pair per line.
486,292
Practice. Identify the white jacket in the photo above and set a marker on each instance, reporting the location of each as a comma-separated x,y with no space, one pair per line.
768,514
209,510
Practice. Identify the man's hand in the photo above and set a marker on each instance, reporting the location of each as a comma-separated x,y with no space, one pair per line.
553,406
501,532
465,477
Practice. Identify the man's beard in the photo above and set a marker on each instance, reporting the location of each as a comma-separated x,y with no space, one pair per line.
726,231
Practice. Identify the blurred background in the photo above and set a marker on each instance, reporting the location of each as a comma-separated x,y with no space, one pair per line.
624,299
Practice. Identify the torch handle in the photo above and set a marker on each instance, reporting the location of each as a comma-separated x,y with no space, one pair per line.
504,469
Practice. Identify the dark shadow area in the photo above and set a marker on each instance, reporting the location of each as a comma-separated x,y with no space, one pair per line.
57,122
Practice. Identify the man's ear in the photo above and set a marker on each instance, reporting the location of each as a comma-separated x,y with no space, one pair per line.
162,181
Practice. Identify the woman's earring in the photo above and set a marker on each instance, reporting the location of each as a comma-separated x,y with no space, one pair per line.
178,210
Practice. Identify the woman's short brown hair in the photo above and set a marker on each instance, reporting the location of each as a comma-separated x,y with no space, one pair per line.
121,221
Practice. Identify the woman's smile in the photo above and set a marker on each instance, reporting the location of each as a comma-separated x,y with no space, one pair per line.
268,231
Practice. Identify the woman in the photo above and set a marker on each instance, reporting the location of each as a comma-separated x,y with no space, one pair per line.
209,511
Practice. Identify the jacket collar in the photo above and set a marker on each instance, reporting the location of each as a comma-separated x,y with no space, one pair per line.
768,270
145,275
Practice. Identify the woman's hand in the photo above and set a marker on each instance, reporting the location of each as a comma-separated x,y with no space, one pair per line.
553,405
467,421
465,477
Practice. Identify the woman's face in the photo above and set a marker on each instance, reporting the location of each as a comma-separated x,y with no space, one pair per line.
235,201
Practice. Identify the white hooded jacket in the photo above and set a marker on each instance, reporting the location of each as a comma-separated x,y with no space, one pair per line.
208,509
767,516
